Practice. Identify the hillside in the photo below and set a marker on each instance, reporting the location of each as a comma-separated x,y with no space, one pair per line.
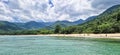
7,26
68,23
33,25
61,23
107,22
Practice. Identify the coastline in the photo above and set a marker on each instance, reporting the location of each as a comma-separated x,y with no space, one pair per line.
115,35
112,35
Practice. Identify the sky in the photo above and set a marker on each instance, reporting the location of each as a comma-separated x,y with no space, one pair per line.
52,10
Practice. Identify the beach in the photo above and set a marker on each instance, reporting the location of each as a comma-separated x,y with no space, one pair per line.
115,35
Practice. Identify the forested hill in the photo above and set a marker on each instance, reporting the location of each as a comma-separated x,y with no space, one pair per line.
107,22
7,26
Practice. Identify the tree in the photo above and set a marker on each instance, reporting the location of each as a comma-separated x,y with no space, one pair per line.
57,29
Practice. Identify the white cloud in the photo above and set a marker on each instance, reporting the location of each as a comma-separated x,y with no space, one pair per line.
41,10
64,17
6,18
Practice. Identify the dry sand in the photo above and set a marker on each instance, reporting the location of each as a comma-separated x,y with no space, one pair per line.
115,35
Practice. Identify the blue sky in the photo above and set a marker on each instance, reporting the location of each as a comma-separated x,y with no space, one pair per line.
52,10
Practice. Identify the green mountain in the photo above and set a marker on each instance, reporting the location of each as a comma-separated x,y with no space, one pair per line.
62,23
7,26
107,22
33,25
90,18
67,23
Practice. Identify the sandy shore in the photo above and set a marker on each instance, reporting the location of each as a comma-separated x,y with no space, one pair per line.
115,35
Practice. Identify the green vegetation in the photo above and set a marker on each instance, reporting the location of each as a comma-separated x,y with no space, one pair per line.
7,26
107,22
57,29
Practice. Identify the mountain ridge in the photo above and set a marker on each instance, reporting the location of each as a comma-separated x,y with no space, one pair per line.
33,25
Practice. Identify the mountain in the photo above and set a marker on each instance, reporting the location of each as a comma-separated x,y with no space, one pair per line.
78,22
65,23
111,10
33,25
90,18
8,26
83,21
62,23
106,22
51,25
48,23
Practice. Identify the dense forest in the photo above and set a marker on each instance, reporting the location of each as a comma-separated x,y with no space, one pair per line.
107,22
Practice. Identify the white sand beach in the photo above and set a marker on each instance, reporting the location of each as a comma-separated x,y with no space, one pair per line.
115,35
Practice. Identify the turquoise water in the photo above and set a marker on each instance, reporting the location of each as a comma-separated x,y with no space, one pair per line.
34,45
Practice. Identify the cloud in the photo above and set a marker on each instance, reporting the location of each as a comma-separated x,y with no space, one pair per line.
100,4
6,18
50,2
52,10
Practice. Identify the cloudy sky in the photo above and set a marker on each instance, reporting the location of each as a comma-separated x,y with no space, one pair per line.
52,10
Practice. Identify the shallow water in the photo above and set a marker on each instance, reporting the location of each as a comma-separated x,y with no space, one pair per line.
34,45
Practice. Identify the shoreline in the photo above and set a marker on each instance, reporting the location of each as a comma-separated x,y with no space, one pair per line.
116,35
112,35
